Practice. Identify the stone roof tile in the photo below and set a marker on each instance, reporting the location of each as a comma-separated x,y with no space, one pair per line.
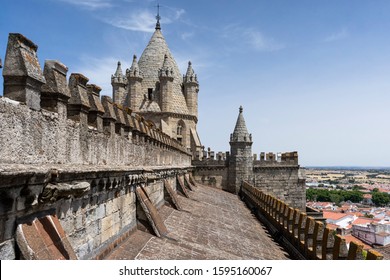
151,61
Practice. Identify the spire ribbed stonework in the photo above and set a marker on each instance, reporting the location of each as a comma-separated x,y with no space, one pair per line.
190,76
240,133
118,82
150,63
118,77
155,89
134,71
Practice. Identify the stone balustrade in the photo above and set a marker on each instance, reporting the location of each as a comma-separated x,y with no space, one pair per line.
303,235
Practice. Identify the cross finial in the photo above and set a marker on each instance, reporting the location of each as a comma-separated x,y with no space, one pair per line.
158,17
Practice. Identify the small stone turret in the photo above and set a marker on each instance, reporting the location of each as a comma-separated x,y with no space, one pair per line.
134,94
191,89
22,73
55,93
118,82
166,77
241,159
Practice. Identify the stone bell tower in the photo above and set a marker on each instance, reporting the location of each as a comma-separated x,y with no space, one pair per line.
240,160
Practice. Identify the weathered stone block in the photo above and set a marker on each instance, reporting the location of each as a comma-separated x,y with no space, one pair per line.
7,250
56,90
106,223
80,221
107,234
100,212
22,73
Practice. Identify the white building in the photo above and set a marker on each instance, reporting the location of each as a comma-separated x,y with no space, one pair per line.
378,234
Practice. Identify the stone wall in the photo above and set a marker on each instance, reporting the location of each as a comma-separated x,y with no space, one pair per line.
279,175
67,153
283,181
214,176
43,137
96,206
211,169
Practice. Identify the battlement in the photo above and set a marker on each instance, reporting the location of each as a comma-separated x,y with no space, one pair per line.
209,157
50,120
305,237
288,158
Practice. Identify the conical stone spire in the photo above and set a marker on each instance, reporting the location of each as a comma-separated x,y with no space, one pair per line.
150,63
166,70
240,133
190,71
134,69
118,77
190,75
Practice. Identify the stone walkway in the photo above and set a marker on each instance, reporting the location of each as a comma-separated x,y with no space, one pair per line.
214,225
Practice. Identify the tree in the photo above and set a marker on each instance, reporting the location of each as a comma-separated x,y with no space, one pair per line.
336,198
311,195
354,196
380,199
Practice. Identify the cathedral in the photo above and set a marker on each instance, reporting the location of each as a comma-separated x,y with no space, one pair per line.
154,88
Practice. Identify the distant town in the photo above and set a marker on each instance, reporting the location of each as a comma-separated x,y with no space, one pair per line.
354,201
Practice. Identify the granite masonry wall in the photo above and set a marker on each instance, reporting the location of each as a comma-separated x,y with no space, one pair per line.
68,153
282,177
276,174
211,169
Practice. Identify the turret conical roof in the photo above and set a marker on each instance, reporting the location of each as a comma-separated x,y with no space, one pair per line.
134,69
190,74
152,60
118,77
240,133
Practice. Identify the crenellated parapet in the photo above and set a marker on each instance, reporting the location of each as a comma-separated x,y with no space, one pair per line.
78,105
75,162
303,236
275,159
55,92
67,121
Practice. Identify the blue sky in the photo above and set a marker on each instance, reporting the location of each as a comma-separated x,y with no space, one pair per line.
312,76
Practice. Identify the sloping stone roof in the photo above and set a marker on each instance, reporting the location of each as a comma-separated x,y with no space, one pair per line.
152,60
214,224
149,106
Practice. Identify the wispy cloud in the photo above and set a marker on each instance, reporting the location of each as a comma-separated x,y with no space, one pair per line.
252,38
186,35
259,42
179,13
142,21
90,4
341,34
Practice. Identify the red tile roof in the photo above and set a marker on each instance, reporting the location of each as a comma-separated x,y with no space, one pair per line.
363,220
349,238
334,215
